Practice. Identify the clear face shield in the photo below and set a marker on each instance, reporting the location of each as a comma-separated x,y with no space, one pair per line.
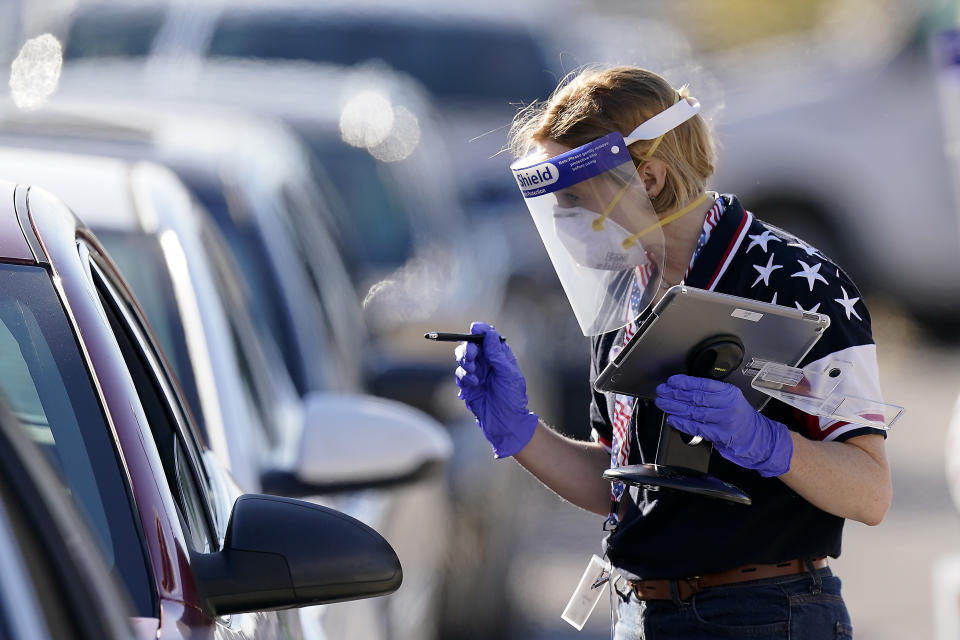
597,223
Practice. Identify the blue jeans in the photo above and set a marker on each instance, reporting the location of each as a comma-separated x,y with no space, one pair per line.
806,606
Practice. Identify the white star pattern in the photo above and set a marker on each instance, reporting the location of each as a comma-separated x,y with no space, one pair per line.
765,271
761,240
813,310
812,274
810,251
847,303
774,300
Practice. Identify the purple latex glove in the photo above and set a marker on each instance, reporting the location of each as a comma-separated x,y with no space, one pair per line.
719,412
494,389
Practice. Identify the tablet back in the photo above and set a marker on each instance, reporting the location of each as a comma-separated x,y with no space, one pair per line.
685,317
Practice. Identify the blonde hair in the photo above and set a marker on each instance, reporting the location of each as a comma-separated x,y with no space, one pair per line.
593,102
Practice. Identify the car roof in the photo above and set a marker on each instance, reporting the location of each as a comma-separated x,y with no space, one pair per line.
316,91
97,189
192,135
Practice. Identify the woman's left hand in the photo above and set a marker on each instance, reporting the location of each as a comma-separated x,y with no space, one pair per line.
718,412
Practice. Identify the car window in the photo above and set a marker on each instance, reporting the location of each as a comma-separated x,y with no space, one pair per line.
47,384
141,261
436,52
110,31
180,459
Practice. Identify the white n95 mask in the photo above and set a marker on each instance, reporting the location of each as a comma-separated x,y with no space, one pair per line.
596,249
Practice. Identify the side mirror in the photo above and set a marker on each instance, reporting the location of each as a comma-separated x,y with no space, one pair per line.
353,441
281,553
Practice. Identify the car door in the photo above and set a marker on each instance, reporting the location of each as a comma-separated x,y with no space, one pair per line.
200,509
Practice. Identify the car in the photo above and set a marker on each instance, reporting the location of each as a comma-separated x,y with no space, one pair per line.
252,186
56,583
787,164
82,371
176,262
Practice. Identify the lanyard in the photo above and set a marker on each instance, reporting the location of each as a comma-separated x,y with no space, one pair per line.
624,405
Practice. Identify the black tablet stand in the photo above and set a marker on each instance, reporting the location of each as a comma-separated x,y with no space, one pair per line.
682,461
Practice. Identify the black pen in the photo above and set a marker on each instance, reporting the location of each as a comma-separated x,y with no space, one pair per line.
442,336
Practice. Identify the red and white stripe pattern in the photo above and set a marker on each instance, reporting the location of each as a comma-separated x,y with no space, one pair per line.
739,237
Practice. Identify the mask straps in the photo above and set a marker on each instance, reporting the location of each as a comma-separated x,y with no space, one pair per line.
598,222
632,240
651,129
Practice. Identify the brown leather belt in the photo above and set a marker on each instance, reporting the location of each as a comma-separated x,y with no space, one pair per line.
686,587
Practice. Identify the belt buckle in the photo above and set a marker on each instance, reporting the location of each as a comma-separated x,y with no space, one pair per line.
692,584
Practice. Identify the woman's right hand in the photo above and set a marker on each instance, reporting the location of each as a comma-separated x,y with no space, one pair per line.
494,389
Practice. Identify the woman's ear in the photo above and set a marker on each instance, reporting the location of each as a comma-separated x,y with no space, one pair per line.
653,172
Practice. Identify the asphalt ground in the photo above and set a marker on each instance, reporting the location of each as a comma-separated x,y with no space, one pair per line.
886,570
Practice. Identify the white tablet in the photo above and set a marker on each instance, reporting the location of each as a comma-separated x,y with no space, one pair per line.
687,317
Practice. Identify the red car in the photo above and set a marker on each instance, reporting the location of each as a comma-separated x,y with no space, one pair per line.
82,373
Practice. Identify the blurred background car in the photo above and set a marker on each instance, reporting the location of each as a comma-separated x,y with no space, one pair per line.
784,157
55,582
83,374
250,412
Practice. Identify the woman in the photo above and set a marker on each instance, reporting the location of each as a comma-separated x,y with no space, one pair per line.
695,567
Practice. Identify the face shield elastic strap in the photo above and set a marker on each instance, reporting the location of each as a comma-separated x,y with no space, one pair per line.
652,129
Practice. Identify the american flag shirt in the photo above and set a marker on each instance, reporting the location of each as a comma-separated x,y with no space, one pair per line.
670,534
619,446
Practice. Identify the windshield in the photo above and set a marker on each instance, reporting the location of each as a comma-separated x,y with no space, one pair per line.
140,259
439,53
107,31
49,389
